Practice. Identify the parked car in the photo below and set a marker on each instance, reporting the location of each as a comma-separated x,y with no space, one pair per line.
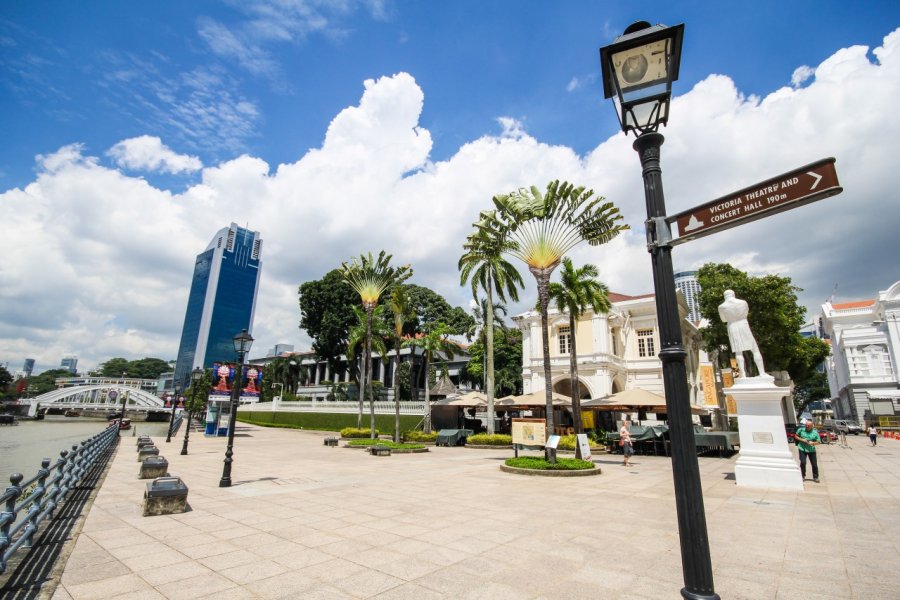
844,425
827,436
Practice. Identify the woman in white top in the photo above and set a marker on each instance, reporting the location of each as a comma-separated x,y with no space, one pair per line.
873,435
625,440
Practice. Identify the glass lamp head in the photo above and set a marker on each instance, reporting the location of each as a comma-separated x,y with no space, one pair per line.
242,342
638,70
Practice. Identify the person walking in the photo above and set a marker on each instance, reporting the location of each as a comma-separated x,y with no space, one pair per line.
807,439
873,434
625,442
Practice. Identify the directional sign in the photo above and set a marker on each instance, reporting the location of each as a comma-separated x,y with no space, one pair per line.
796,188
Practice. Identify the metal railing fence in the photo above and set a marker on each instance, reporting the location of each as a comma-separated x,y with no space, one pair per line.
27,503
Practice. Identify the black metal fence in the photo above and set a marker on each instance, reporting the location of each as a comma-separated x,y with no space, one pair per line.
27,503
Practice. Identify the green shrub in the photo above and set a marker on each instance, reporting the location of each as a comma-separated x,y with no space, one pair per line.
484,439
392,445
568,442
419,436
321,421
537,463
353,432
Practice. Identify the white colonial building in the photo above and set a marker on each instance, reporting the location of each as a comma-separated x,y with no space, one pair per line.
865,350
616,351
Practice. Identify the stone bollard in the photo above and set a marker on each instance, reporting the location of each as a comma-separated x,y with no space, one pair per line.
146,452
165,496
153,467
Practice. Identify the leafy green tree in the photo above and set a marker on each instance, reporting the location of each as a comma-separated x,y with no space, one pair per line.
370,277
775,319
5,378
489,271
430,308
114,367
507,362
46,381
437,345
285,370
578,290
401,312
197,395
326,315
815,387
542,228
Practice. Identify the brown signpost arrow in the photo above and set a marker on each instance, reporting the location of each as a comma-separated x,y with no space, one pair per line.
784,192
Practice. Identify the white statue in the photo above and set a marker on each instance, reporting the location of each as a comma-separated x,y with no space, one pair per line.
734,312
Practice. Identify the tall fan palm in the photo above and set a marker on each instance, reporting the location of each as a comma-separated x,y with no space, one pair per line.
577,290
543,228
483,262
402,310
370,277
379,331
436,344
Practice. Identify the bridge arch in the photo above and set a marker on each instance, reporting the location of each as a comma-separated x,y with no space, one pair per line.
97,396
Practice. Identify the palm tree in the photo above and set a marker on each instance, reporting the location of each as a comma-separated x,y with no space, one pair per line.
402,310
370,277
483,262
478,329
577,290
375,327
436,344
542,229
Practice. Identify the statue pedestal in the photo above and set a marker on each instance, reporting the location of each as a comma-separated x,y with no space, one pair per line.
765,460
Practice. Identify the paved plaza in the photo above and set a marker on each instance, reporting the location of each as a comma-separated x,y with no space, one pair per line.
307,521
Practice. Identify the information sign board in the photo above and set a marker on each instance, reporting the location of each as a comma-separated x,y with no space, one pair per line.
529,432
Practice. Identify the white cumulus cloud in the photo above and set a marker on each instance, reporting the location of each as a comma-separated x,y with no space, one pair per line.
98,262
148,153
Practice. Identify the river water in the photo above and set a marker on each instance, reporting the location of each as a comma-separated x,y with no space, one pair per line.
23,446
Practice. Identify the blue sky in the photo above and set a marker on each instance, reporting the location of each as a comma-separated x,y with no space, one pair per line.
134,131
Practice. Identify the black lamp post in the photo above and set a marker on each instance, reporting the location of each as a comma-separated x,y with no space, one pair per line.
638,70
172,418
242,343
196,377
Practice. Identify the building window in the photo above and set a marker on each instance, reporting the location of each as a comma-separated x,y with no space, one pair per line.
646,347
565,339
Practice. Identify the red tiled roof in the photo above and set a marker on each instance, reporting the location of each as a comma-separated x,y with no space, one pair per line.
858,304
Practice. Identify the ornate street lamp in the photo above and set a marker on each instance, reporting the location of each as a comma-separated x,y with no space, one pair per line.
242,343
172,418
196,377
638,70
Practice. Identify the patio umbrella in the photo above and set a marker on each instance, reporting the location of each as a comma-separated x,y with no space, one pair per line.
467,400
635,399
537,399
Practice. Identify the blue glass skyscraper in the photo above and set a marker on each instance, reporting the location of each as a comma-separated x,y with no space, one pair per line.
221,302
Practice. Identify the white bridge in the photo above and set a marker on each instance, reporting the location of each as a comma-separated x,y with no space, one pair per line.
97,397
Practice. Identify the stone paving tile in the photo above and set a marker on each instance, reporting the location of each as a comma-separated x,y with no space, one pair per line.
333,524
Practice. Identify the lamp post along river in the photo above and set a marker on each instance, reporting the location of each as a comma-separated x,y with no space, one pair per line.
638,70
242,343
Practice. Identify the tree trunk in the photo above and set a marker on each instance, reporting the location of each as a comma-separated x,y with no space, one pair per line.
543,282
360,389
370,371
489,359
575,386
397,394
427,424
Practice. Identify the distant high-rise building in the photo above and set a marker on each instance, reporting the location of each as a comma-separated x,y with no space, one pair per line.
221,301
280,349
28,367
686,281
70,363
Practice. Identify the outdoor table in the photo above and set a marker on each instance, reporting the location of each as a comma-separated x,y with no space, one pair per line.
723,441
452,437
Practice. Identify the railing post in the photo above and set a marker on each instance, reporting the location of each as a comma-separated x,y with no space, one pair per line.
35,511
9,516
53,497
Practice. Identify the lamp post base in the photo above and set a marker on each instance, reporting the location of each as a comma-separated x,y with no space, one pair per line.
688,595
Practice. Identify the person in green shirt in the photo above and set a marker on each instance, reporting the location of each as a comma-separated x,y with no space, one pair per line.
807,439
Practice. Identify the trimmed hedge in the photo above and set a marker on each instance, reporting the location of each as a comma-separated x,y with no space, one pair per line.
568,442
483,439
391,445
353,432
537,463
322,421
419,436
